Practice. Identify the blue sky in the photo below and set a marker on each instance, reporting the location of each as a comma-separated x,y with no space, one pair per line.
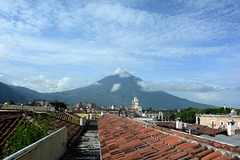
187,48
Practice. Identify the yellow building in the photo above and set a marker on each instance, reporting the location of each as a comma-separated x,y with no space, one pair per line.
89,116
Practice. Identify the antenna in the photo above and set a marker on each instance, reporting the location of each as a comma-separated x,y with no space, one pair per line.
134,94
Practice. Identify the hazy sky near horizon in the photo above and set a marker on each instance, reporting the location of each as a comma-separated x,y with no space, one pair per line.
189,48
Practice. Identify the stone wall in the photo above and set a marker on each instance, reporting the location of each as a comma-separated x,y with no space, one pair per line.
214,121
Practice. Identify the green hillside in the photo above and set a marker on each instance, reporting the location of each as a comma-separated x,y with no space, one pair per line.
7,93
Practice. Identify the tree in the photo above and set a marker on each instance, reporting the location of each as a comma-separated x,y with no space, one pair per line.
10,102
188,115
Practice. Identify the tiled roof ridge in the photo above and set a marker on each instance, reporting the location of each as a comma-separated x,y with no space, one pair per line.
112,126
8,126
10,130
72,115
67,116
223,151
6,116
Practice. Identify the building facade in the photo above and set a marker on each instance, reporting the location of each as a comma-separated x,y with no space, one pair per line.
135,105
218,121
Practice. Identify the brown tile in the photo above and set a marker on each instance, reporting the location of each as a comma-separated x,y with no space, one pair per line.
106,156
178,155
155,157
196,151
118,156
153,132
112,146
176,142
146,152
217,145
187,145
204,153
164,149
170,153
163,153
223,157
104,150
187,157
212,155
167,138
133,156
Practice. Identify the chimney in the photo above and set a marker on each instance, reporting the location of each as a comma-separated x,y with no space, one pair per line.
231,127
179,123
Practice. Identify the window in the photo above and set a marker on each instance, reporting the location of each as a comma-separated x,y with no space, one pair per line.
221,125
212,123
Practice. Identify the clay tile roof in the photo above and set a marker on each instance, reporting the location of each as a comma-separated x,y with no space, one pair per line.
187,145
212,155
137,140
223,157
133,156
204,153
9,121
178,155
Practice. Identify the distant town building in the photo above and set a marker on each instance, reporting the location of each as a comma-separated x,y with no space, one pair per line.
135,105
39,102
158,115
112,106
218,121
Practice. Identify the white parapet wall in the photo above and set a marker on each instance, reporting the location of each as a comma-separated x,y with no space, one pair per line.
83,121
51,147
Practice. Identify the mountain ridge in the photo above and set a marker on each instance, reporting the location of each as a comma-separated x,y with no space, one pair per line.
117,89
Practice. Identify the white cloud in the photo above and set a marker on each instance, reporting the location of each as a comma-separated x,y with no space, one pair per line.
7,45
105,30
176,86
123,73
41,84
93,83
3,79
206,97
115,87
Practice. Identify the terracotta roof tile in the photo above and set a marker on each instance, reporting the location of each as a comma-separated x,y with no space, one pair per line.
119,156
132,139
223,157
212,155
147,152
106,156
194,159
187,145
195,151
176,142
104,150
178,155
158,144
169,153
164,149
204,153
133,156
